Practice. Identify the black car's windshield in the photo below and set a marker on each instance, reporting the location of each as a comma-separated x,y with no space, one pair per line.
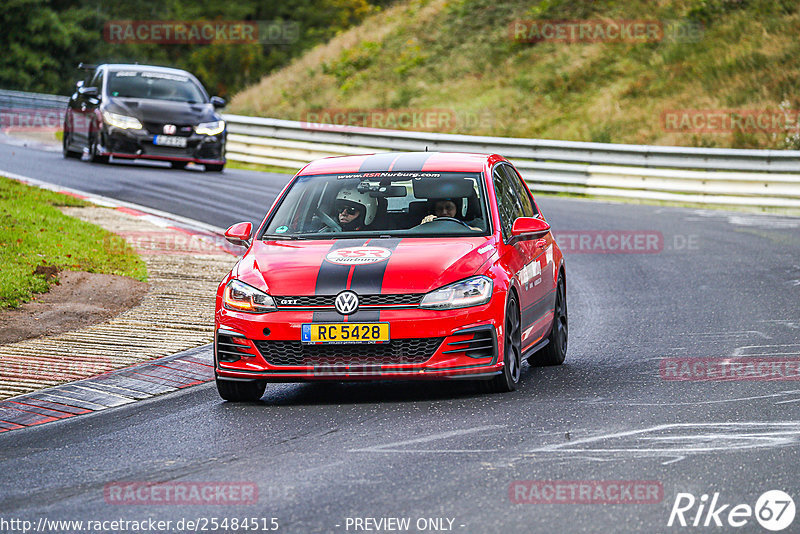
154,86
422,204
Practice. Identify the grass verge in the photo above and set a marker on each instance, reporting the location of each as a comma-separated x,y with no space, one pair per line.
460,58
36,236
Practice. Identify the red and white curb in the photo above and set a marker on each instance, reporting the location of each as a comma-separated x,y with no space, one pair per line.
142,380
108,390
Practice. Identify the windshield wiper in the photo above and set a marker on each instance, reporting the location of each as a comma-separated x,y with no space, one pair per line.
283,237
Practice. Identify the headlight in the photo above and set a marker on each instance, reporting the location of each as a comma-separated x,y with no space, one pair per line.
121,121
470,292
242,297
210,128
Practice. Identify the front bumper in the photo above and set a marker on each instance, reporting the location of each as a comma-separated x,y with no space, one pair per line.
138,144
425,344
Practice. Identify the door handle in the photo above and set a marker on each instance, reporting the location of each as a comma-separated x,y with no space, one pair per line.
541,243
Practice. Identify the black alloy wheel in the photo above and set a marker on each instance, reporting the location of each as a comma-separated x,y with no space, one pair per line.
556,349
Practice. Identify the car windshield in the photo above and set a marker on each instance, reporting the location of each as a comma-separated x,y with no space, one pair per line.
154,86
409,204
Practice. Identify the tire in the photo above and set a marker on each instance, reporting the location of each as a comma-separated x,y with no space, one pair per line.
94,157
214,168
556,349
178,164
235,391
66,141
512,351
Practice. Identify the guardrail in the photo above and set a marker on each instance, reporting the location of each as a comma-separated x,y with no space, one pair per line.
18,99
757,178
760,178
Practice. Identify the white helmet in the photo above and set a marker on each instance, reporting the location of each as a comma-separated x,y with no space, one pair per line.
367,203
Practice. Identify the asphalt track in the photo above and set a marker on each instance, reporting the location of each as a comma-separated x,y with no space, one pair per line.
720,285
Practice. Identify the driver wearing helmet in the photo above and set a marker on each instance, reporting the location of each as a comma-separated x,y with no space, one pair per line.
354,210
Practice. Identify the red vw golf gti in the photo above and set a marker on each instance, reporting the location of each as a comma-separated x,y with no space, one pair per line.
393,266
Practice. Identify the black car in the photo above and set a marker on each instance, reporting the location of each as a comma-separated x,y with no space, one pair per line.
142,111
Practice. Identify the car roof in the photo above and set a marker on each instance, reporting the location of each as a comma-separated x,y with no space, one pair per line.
402,161
149,68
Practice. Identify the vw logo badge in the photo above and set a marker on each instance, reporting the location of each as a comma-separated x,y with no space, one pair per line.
346,302
170,129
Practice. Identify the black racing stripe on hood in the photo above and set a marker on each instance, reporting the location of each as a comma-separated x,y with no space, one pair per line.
411,162
378,162
368,279
332,278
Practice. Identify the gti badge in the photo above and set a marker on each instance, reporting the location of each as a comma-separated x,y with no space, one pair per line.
170,129
346,302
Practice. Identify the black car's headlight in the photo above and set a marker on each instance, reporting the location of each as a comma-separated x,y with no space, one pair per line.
210,128
470,292
239,296
121,121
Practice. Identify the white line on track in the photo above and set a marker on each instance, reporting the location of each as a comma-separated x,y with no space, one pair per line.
394,447
742,351
710,437
694,403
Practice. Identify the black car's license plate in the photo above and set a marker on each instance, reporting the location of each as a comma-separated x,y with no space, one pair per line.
169,140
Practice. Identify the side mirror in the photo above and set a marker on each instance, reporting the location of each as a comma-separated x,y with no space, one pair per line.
218,102
239,234
88,91
531,226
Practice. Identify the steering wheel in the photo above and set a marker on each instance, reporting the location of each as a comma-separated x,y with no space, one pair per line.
329,222
452,219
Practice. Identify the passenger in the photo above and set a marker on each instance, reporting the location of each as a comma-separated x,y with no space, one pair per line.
448,207
354,210
443,207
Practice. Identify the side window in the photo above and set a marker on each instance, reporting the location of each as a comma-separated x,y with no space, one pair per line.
528,207
507,206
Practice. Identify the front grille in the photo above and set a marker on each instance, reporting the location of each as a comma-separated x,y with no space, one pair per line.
157,128
363,300
397,351
481,345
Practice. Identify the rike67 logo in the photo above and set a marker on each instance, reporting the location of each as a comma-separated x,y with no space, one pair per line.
774,510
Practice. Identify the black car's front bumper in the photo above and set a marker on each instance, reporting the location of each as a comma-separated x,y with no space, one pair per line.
135,144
